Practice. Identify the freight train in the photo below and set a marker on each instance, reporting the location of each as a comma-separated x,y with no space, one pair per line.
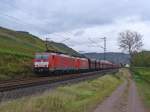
57,63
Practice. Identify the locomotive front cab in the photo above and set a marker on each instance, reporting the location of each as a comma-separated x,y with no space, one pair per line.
41,62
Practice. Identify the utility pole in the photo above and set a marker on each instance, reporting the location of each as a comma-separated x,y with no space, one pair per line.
46,44
104,47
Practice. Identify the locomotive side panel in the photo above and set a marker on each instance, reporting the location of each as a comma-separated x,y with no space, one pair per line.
64,62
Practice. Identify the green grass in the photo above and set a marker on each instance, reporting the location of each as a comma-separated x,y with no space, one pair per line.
15,66
81,97
17,50
142,77
142,73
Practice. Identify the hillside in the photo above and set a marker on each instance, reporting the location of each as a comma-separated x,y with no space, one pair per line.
60,47
113,57
17,50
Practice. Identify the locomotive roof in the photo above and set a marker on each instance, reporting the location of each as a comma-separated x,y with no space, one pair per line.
51,53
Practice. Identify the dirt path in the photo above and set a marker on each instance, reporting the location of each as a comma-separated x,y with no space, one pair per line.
123,99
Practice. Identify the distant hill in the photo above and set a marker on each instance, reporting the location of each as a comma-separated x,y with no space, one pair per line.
113,57
17,49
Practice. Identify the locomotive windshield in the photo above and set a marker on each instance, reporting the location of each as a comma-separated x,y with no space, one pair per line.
41,56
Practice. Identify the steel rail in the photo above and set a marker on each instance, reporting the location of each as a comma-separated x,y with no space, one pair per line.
23,83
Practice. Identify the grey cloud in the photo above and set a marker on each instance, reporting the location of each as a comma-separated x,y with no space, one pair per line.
48,16
79,33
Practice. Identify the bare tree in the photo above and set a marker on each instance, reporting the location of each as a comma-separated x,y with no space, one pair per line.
130,41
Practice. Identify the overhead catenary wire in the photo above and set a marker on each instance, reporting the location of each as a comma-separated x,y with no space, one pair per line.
97,45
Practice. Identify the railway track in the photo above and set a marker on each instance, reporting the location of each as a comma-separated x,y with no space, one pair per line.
24,83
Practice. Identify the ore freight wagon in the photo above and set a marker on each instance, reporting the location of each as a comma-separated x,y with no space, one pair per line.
61,63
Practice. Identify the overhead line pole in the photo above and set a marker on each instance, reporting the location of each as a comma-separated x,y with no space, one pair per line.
104,47
46,44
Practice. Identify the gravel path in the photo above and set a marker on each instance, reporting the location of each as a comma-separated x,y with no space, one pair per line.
123,99
135,104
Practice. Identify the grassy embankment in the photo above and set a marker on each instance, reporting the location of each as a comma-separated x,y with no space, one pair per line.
142,77
17,51
81,97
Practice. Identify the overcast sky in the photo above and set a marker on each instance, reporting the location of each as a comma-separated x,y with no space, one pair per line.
78,23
